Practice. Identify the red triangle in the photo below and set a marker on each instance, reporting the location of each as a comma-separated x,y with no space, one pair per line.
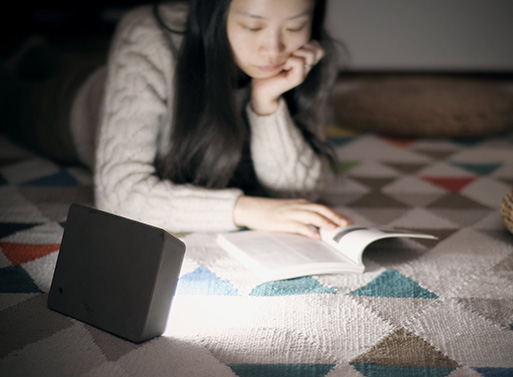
400,142
19,253
450,184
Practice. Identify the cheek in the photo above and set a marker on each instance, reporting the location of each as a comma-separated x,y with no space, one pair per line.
240,52
238,45
295,41
297,44
301,40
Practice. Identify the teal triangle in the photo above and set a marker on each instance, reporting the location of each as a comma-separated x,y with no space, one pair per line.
495,372
340,141
14,279
281,370
372,370
61,178
392,284
478,169
299,286
202,281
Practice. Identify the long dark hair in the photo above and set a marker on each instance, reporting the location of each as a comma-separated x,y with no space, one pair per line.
210,133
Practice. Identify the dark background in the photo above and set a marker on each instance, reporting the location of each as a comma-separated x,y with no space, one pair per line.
60,21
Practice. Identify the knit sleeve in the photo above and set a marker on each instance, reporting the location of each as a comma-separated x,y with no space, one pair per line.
284,162
134,121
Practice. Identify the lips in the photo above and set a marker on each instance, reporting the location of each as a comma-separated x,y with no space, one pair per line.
271,68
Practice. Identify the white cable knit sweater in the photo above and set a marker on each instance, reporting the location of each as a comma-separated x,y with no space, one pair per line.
134,128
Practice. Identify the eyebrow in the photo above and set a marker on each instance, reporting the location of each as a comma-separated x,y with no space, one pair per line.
248,14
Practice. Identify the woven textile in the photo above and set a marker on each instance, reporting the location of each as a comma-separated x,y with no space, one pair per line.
507,210
422,308
426,106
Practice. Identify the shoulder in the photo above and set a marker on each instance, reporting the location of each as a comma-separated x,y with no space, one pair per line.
141,41
143,17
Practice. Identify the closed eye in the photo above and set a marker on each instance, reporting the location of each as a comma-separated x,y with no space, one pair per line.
250,26
296,29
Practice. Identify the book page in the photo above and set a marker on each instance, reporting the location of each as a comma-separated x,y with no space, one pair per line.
274,256
282,251
352,240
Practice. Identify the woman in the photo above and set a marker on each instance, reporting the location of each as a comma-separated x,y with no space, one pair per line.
201,122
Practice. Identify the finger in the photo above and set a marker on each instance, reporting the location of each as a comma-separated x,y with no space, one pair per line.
303,217
304,230
294,62
337,218
308,57
303,204
296,69
318,50
327,213
312,53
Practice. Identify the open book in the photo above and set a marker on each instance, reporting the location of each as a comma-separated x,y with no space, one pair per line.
276,256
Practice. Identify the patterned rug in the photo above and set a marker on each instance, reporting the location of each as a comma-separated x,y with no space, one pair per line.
422,308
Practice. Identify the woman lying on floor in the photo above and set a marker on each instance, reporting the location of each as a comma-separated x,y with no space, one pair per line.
208,124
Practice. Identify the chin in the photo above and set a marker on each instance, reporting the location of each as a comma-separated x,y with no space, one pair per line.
256,73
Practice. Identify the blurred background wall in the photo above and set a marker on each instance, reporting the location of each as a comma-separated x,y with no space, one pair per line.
425,35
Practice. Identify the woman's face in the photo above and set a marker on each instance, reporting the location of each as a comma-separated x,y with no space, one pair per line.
264,33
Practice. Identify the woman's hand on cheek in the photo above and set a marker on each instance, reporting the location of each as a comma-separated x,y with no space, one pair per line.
301,61
265,93
286,215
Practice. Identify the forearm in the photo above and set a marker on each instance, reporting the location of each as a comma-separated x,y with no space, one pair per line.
175,208
284,162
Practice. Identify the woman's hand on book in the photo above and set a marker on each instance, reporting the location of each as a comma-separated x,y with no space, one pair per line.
286,215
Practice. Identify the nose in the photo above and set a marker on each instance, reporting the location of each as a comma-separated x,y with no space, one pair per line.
272,44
